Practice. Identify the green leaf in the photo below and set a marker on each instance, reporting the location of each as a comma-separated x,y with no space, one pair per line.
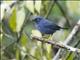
12,22
20,19
17,54
30,6
38,5
71,57
5,5
24,40
38,53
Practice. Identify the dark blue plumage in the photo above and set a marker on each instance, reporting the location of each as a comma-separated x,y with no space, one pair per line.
45,26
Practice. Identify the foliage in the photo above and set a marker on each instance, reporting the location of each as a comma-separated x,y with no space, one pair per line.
16,29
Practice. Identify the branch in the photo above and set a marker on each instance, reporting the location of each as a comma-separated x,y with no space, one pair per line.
72,34
69,38
57,44
64,45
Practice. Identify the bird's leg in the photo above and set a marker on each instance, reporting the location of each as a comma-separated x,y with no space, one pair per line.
50,37
46,36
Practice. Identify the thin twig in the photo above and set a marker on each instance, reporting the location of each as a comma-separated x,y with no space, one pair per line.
64,14
50,9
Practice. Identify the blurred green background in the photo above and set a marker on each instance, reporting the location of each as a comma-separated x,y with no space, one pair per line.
16,25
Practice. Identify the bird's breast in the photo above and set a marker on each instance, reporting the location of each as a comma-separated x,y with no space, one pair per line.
44,30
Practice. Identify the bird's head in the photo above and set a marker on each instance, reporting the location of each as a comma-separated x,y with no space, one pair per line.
37,18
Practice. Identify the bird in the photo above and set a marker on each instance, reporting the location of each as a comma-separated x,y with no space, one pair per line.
46,26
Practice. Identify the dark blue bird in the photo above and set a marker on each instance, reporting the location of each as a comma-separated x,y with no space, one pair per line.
45,26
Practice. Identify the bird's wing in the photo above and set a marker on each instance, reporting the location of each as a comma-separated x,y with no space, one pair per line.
49,24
